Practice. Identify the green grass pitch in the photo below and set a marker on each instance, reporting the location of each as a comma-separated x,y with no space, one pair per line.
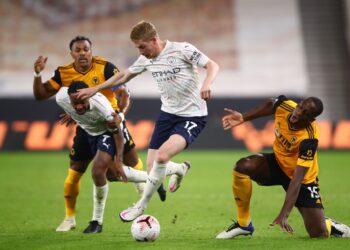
31,206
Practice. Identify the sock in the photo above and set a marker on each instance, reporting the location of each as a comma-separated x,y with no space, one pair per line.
242,191
139,165
134,175
100,196
173,168
71,191
155,178
329,226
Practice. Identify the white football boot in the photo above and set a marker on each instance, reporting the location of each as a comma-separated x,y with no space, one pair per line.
235,230
66,225
176,179
339,229
131,213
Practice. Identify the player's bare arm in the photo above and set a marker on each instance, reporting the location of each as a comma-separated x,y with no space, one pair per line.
118,79
123,96
42,91
119,143
291,197
212,70
235,118
66,119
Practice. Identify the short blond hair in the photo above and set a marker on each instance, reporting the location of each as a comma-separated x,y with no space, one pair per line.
143,31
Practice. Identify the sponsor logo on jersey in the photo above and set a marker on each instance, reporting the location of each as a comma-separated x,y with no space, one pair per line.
168,72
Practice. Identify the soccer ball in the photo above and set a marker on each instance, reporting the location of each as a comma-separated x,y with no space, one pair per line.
145,228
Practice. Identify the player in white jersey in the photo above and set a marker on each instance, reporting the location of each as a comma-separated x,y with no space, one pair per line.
183,114
97,117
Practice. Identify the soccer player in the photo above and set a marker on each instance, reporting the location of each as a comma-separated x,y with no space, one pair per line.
99,120
93,71
293,165
173,66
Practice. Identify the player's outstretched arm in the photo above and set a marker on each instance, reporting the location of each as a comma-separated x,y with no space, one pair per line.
118,79
41,90
232,119
123,96
291,197
212,70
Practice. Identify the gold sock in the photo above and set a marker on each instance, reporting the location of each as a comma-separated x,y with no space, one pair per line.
242,191
329,226
71,191
139,165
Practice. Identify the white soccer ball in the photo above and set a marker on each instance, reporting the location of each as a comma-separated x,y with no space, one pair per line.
145,228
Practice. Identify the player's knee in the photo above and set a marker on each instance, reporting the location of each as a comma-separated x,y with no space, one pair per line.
79,166
162,157
318,233
98,173
243,166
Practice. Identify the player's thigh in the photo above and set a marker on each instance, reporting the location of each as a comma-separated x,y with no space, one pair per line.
130,158
175,144
102,161
255,166
314,221
80,154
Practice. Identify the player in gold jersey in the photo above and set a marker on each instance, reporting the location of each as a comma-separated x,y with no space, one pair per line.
293,165
93,71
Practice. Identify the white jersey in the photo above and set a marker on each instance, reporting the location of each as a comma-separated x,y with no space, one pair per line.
93,121
176,73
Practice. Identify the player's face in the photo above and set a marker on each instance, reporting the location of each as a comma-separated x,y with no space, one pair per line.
148,48
303,112
80,106
82,54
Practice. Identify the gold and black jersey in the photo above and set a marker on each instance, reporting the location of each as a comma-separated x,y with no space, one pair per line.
294,147
98,73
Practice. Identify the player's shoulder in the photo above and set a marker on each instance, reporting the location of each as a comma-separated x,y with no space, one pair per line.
284,104
180,45
62,95
66,67
99,60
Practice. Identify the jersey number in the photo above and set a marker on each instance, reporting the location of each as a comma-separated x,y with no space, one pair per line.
189,126
314,192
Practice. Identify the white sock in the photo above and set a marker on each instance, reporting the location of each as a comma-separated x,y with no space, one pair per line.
174,168
155,178
134,175
100,196
140,187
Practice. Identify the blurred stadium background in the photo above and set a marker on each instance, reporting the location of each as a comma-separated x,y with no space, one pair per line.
265,48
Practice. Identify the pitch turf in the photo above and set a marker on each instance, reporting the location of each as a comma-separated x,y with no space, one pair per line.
31,206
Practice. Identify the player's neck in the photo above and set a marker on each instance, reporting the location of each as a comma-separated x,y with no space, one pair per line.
161,46
82,69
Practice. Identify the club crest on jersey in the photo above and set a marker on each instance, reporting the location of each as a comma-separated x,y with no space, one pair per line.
293,140
95,80
171,59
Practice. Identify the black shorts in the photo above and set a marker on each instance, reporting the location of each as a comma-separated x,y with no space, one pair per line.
81,150
309,195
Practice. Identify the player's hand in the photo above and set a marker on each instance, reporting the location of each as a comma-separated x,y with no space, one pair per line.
205,92
282,221
233,119
114,124
118,166
66,119
86,93
40,64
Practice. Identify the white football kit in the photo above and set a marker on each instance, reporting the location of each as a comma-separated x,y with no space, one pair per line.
176,74
93,121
